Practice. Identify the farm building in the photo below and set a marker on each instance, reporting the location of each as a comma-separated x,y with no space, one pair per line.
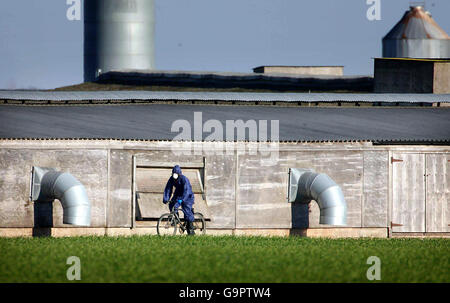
239,150
405,75
301,70
226,81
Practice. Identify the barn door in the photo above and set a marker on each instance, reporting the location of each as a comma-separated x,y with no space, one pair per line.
438,193
408,192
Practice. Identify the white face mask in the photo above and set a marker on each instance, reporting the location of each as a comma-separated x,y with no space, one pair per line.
175,176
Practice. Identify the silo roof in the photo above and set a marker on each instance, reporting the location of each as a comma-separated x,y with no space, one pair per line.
417,24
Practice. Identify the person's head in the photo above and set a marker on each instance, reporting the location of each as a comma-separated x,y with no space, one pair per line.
176,172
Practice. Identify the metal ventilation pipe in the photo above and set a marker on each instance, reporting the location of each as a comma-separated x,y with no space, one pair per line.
305,186
49,184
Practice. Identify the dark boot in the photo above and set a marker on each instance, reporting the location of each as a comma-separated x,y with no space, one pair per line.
190,229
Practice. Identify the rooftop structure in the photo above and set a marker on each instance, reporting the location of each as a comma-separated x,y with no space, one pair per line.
416,76
416,35
301,70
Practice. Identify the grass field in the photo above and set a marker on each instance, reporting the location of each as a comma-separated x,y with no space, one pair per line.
223,259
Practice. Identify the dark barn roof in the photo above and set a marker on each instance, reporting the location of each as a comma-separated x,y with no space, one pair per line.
154,121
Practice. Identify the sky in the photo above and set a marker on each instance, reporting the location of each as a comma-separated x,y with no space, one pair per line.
40,48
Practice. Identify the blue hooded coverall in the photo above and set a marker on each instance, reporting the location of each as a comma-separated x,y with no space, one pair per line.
183,191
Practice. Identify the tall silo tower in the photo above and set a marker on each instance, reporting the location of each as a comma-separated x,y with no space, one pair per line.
118,35
416,35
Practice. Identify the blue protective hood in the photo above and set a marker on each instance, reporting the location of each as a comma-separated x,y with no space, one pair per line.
176,169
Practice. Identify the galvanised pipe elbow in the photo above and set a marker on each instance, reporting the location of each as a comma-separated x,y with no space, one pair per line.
67,189
309,185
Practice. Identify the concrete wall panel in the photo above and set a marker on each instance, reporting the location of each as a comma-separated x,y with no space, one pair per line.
403,76
88,166
346,169
376,189
266,185
302,70
220,186
261,193
442,78
16,210
119,207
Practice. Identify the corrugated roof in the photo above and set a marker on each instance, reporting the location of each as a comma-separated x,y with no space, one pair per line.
154,122
219,96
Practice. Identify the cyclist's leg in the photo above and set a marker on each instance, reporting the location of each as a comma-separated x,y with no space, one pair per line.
171,205
188,216
186,207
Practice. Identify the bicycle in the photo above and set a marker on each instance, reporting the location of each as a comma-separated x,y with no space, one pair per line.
169,223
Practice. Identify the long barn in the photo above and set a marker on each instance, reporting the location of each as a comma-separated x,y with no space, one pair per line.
239,151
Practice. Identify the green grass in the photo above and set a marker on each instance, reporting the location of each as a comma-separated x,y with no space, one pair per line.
223,259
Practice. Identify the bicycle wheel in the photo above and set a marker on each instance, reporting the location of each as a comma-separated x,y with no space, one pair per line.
199,224
166,225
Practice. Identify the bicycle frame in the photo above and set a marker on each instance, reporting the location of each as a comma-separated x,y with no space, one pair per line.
174,219
176,214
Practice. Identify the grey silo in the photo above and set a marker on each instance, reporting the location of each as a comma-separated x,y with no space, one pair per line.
118,35
416,35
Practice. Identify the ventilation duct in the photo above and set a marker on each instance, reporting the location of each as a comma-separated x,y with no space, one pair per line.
307,185
49,184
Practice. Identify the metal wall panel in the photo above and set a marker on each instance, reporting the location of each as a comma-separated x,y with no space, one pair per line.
408,189
416,48
438,193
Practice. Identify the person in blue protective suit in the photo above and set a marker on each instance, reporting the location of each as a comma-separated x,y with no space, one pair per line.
183,196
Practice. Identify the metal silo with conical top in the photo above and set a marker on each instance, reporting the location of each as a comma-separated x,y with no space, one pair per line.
118,35
416,35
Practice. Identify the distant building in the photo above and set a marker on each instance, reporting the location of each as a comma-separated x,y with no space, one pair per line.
238,81
416,35
301,70
401,75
